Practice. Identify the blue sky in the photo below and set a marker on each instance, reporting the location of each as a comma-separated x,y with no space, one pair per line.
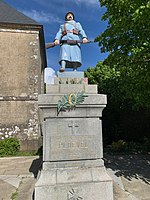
50,13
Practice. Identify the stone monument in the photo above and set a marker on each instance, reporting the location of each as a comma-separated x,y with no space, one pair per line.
73,168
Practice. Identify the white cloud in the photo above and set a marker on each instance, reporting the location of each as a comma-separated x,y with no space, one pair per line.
89,2
66,3
41,16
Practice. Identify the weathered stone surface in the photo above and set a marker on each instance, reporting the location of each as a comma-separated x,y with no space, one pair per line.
51,89
13,112
92,106
72,148
90,89
25,191
137,187
76,163
19,119
74,183
80,111
10,189
47,100
70,74
20,64
73,88
70,80
20,77
72,139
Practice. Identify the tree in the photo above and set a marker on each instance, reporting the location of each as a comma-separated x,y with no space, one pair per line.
120,120
107,78
127,38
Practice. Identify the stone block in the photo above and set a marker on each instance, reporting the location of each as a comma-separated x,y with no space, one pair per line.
70,74
80,111
52,89
70,80
58,81
52,99
71,88
92,106
47,177
72,139
75,183
13,112
90,89
77,163
74,88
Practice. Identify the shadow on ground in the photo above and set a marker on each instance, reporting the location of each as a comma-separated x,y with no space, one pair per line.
130,166
36,166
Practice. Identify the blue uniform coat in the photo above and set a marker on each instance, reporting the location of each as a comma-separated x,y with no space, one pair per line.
70,53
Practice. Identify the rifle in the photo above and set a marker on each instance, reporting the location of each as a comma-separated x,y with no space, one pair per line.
51,45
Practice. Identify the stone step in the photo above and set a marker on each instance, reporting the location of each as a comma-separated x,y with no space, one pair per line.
71,88
70,80
70,74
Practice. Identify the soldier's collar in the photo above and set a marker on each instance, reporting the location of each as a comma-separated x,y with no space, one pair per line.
70,22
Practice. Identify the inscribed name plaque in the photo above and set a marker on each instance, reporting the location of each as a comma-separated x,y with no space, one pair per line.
73,147
72,139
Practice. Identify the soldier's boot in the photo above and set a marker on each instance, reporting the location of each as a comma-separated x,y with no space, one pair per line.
63,65
74,68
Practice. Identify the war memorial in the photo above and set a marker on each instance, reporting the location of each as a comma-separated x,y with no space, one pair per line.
71,123
69,114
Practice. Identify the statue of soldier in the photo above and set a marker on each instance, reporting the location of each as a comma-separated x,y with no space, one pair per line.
70,54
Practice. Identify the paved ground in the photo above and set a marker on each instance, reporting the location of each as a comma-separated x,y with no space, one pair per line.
131,176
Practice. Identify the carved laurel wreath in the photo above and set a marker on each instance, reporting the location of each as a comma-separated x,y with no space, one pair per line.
69,102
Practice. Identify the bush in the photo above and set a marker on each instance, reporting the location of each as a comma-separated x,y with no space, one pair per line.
9,146
131,147
119,146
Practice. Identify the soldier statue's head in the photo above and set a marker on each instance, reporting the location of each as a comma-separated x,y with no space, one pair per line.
69,16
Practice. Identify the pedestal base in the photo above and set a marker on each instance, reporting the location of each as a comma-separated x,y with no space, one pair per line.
85,182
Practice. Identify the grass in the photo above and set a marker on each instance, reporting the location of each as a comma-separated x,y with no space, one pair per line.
27,153
22,153
14,195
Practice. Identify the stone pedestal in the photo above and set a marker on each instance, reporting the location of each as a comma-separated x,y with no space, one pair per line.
73,168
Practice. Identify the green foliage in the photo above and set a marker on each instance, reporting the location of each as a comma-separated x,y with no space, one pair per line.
9,146
119,146
123,147
108,80
14,195
121,118
69,102
127,39
26,153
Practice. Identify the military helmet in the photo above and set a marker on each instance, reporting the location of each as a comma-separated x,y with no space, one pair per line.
68,14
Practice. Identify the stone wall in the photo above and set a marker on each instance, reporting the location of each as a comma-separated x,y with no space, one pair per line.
20,83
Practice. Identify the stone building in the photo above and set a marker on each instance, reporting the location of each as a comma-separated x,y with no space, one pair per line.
22,62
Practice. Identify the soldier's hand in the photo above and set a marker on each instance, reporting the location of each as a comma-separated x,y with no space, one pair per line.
85,40
56,42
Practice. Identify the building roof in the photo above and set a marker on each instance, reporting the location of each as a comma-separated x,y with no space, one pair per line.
10,15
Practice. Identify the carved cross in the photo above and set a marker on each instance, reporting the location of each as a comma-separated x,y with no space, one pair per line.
73,125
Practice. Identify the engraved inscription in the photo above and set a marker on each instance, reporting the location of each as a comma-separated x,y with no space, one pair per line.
73,145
